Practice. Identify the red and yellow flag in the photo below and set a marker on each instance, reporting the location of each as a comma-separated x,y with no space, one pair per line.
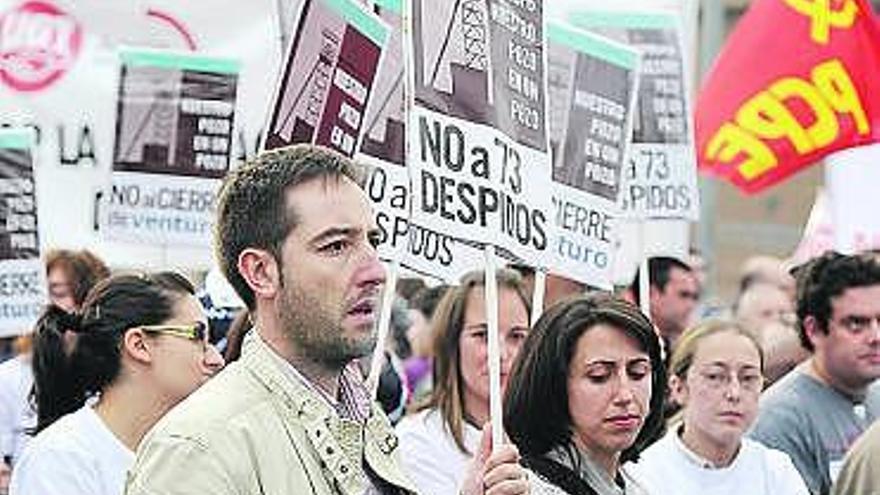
797,79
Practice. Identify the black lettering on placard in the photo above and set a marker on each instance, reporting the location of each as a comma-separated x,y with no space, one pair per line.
450,149
430,245
470,204
583,221
85,147
125,195
659,197
392,229
376,185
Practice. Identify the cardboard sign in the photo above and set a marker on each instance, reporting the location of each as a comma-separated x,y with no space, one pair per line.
660,179
382,146
173,141
478,150
74,113
592,89
328,76
22,282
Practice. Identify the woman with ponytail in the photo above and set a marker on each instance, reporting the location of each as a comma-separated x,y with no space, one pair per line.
105,374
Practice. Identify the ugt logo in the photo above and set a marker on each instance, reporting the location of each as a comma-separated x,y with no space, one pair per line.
38,43
825,14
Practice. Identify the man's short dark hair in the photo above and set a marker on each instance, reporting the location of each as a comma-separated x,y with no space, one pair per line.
826,277
252,203
659,267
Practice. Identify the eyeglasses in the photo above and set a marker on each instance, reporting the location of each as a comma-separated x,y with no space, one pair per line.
750,381
197,331
857,324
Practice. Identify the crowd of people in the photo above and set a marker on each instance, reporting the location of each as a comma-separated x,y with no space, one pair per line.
128,385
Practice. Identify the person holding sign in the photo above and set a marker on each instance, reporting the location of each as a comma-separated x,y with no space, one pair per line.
439,441
585,396
716,376
105,374
296,238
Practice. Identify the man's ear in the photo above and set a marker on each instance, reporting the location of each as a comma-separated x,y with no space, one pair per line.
261,272
137,345
678,390
813,330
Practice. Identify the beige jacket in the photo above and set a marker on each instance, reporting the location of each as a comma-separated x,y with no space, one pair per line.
254,430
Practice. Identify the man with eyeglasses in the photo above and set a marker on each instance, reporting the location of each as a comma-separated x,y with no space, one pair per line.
296,238
818,410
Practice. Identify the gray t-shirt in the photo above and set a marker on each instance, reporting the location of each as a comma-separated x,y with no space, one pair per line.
814,424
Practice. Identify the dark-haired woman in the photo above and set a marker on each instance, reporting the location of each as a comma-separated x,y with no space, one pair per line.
585,395
105,374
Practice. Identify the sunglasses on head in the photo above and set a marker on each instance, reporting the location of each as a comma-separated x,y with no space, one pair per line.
193,331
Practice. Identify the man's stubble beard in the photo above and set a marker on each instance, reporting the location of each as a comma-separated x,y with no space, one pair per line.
317,330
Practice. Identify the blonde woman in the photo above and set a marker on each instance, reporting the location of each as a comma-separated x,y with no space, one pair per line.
716,377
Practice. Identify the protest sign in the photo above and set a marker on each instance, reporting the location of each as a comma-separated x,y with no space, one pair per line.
328,76
22,283
74,113
173,142
478,151
660,178
761,119
382,146
592,89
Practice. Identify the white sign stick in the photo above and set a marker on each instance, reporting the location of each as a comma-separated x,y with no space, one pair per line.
494,356
384,327
538,295
644,274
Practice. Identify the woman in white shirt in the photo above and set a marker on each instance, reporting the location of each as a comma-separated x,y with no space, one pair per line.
716,376
104,375
585,396
438,442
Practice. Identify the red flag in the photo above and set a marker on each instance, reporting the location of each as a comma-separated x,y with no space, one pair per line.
797,79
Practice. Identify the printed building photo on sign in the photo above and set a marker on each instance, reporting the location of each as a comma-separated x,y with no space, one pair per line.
384,131
18,205
482,69
591,84
328,76
175,114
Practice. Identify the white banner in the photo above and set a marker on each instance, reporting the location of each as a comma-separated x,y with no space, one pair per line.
60,74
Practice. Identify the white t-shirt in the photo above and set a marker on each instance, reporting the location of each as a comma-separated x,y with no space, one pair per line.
76,455
429,454
669,467
16,414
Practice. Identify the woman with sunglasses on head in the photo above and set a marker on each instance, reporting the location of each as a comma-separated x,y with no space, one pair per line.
585,396
716,377
105,374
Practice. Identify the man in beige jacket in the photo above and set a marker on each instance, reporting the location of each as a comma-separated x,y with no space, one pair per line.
296,237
